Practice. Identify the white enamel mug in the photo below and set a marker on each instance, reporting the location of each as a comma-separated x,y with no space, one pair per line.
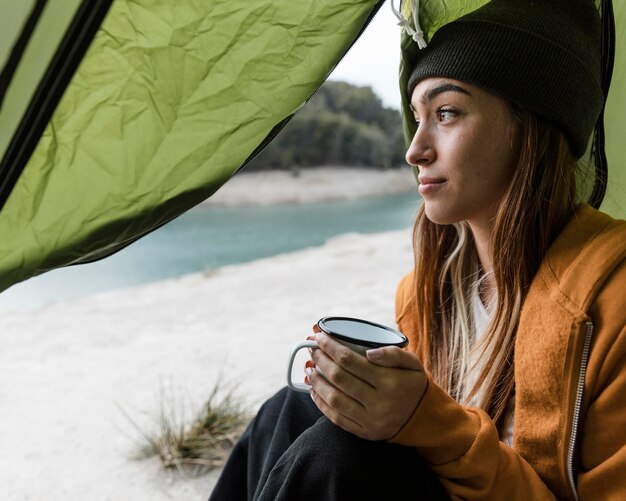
357,334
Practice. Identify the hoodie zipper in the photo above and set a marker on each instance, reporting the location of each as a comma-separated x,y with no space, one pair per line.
577,405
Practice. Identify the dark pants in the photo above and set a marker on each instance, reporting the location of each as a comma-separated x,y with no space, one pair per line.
291,452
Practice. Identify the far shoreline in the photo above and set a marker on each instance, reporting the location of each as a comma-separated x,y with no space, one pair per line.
312,185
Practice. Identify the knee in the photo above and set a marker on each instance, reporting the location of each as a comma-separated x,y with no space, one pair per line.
329,446
326,443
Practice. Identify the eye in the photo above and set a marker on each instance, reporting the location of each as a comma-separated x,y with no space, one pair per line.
416,119
446,114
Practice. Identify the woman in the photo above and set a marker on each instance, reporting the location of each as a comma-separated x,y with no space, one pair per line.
512,385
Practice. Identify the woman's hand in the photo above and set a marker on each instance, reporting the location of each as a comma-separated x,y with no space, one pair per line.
371,397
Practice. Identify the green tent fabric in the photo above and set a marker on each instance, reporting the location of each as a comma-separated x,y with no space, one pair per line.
116,116
435,13
152,104
615,120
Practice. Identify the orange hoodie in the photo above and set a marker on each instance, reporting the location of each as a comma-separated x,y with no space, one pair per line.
570,377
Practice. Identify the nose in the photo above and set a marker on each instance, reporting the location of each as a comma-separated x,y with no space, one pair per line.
421,151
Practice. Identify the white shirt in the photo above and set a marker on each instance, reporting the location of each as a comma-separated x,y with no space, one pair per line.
482,317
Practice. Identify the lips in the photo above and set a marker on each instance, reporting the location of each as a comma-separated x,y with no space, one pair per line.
430,180
429,185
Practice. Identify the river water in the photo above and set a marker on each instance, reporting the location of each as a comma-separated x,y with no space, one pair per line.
207,238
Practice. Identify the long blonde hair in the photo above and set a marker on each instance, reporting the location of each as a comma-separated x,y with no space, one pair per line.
539,201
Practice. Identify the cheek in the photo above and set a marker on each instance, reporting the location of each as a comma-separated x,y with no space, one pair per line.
505,160
494,157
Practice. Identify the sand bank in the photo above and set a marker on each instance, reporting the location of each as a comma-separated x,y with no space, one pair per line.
67,368
312,185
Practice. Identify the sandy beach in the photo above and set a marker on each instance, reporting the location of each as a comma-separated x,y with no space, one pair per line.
69,367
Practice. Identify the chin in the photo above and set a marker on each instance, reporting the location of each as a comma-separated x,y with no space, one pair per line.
440,216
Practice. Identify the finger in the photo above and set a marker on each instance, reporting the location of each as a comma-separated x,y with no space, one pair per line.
310,350
336,416
341,379
344,357
333,396
309,364
392,356
312,338
338,419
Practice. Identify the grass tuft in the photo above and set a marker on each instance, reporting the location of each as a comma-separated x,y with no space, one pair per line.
194,448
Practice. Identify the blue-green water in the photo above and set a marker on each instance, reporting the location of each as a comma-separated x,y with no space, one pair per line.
206,238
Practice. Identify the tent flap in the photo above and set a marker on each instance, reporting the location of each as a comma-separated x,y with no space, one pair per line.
169,101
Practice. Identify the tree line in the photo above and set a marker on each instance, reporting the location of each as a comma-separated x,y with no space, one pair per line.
342,124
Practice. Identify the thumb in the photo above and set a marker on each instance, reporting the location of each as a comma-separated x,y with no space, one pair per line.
392,356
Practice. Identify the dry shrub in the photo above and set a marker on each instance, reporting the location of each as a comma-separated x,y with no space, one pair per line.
194,448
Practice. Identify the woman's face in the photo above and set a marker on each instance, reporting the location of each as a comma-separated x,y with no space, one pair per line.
465,150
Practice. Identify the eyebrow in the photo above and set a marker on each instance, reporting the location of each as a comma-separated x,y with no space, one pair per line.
447,87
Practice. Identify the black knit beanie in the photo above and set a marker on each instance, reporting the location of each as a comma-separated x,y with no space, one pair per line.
543,55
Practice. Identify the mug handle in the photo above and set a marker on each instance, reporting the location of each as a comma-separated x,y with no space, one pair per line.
304,388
